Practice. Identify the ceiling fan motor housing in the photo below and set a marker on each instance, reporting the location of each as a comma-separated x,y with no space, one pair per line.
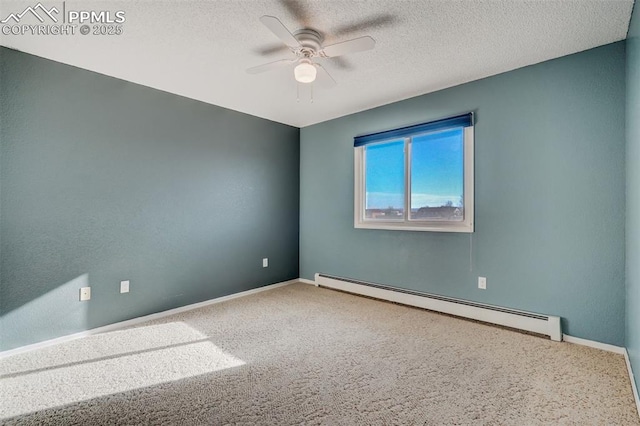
311,42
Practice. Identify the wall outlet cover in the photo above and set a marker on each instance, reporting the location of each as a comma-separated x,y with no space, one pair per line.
85,293
482,283
124,286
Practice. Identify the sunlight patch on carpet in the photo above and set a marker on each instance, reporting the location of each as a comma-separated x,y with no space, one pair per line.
106,364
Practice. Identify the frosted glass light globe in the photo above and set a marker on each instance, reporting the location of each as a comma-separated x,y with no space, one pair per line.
305,72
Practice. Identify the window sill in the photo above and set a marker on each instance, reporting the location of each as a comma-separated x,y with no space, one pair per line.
430,227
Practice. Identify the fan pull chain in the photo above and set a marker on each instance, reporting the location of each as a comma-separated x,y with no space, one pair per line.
297,92
311,92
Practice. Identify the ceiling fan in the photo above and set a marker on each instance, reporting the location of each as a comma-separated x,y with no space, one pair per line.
306,44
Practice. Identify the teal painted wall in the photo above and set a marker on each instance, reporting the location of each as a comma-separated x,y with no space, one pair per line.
104,180
550,188
633,192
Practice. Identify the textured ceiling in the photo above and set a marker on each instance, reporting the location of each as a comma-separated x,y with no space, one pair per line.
200,49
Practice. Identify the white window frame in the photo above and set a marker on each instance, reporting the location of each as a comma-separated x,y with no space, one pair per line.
406,224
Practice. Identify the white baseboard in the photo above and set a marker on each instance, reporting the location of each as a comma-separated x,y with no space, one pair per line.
138,320
633,380
306,281
537,323
593,344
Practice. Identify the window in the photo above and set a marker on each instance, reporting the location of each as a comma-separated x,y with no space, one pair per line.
417,178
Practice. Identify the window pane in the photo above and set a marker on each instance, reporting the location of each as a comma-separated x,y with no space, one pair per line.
384,181
437,176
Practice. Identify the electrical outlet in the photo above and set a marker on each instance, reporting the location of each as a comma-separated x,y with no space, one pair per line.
265,262
85,293
124,286
482,283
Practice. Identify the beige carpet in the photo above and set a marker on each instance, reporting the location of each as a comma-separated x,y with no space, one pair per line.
304,355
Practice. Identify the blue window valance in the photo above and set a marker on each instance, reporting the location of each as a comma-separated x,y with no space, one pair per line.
464,120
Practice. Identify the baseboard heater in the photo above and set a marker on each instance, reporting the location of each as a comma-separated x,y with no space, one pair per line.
528,321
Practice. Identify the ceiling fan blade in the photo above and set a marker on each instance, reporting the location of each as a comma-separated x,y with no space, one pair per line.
280,30
270,49
324,78
270,66
375,21
298,10
340,62
356,45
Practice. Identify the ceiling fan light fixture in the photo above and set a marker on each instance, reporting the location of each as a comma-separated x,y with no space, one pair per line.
305,72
